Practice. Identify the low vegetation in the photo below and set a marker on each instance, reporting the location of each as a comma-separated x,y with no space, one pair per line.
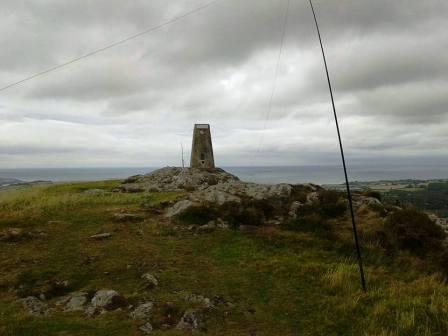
431,197
297,279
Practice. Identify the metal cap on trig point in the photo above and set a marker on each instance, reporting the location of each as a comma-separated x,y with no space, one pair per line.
202,149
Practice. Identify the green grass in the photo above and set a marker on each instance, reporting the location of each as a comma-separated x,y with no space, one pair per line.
279,282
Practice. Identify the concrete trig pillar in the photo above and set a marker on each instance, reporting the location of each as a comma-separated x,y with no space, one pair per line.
202,149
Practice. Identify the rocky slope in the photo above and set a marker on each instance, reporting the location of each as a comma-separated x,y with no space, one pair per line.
213,195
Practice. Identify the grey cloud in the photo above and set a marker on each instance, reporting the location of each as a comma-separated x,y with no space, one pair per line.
135,104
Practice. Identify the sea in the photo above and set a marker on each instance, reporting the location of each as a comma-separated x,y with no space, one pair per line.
284,174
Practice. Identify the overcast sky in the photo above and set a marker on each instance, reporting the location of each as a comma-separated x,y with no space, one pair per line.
135,104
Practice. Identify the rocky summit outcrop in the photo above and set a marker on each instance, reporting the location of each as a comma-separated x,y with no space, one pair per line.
213,195
176,179
213,198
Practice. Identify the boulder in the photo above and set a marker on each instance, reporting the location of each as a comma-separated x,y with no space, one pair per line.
35,307
75,302
294,209
207,228
215,195
150,280
142,312
146,328
204,301
105,300
189,321
312,197
179,208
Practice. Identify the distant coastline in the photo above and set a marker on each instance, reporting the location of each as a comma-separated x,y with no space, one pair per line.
324,175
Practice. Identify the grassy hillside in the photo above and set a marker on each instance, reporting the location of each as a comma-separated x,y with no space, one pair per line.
270,281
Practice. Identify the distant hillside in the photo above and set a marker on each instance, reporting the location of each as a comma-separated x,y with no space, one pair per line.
432,196
80,259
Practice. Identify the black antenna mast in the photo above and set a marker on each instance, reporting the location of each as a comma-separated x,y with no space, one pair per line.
347,184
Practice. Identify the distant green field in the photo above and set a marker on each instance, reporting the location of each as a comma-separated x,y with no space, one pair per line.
279,282
433,198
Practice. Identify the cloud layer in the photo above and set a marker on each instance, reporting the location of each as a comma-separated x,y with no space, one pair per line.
135,104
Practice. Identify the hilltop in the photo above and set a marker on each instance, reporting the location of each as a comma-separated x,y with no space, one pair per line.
178,251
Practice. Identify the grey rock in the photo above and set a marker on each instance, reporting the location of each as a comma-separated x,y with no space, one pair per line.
35,306
189,321
294,209
207,228
101,236
128,217
220,224
312,197
176,179
179,208
150,280
142,312
146,328
215,195
204,301
76,302
275,221
105,300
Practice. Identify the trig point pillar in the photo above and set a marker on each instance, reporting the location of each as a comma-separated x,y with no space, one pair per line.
202,149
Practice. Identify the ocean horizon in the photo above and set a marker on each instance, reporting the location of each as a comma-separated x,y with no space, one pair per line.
319,174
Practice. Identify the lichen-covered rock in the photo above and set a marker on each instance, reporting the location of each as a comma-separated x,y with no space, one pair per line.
146,328
237,191
294,209
35,307
105,300
207,228
213,194
74,302
142,312
177,179
179,208
150,280
189,321
312,197
216,195
204,301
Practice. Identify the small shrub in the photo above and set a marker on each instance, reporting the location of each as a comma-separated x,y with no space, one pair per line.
410,229
198,215
315,217
331,204
374,194
442,261
313,223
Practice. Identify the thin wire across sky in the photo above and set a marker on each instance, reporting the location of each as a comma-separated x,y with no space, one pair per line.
111,45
